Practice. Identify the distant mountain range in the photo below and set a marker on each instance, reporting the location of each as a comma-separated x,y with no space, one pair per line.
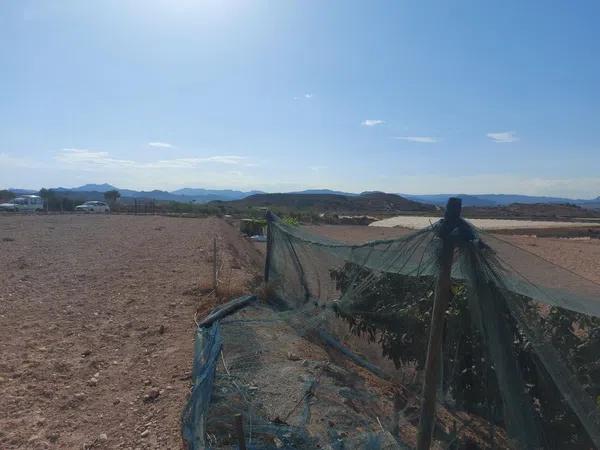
482,200
324,191
225,194
491,200
88,188
186,195
199,195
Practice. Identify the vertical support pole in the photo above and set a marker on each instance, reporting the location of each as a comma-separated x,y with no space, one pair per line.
239,430
215,270
433,362
269,217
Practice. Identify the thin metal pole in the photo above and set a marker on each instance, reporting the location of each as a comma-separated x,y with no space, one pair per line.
269,246
433,362
215,277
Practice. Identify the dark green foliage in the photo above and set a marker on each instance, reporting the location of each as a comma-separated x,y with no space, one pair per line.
62,204
191,208
577,339
57,201
394,310
395,313
112,196
6,196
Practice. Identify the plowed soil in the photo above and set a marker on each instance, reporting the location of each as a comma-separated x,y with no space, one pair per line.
97,324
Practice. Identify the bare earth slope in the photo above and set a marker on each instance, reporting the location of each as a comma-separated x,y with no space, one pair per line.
96,319
365,203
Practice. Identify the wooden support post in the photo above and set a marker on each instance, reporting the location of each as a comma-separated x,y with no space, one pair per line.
215,267
436,334
239,429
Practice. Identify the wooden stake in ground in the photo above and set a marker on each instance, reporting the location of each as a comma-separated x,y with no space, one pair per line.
239,429
215,270
436,334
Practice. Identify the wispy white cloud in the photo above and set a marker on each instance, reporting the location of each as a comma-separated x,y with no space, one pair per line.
371,122
90,159
317,168
160,144
306,96
503,137
229,159
419,139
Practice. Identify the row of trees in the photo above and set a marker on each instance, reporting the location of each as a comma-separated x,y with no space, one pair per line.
6,196
112,197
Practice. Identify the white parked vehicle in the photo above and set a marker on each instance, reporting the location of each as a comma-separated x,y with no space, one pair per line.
25,203
93,207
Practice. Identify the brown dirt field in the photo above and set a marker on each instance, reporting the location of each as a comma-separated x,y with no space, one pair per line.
582,256
357,234
96,313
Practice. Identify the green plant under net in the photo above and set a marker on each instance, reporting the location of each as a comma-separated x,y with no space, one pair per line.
520,339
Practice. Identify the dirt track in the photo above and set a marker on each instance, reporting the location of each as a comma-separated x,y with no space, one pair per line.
96,319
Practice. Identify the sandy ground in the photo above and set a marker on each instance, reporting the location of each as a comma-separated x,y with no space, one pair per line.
582,256
96,325
357,234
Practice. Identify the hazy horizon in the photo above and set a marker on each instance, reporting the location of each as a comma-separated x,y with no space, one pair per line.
422,98
295,190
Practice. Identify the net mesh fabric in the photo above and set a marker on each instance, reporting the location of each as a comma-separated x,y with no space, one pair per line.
521,352
512,298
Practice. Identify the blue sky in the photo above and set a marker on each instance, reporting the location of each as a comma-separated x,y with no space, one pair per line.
415,97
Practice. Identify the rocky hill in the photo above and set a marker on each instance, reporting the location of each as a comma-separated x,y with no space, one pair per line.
365,203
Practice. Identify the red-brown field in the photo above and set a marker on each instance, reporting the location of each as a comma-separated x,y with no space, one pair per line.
97,325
